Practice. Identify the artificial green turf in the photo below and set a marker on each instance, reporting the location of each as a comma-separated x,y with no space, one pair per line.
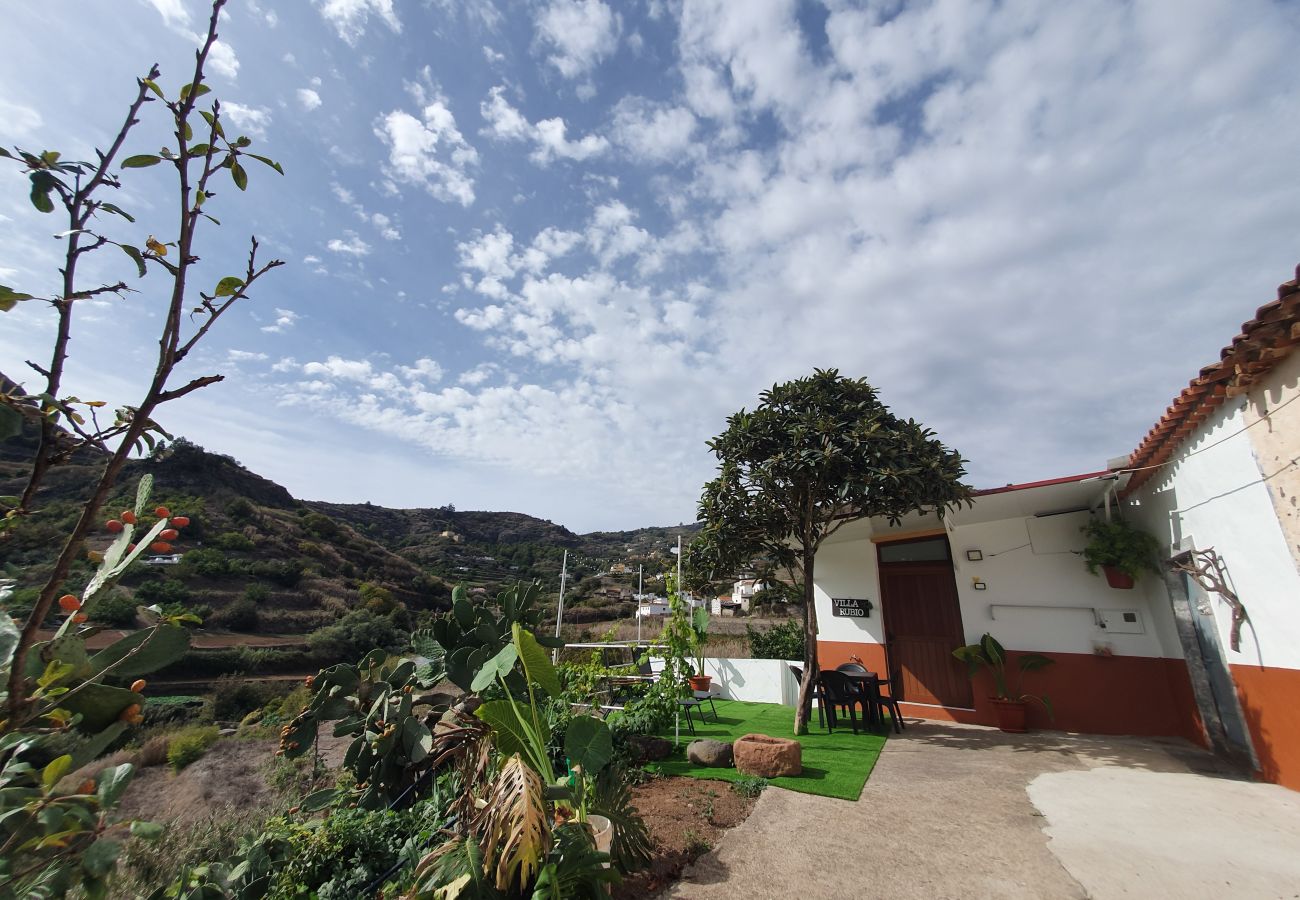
834,765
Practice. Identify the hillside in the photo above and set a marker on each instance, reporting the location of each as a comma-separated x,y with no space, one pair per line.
255,559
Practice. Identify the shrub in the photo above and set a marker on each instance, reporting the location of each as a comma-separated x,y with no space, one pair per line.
233,540
208,562
189,744
357,633
784,641
153,752
240,510
233,698
238,616
162,591
286,573
320,525
258,593
117,608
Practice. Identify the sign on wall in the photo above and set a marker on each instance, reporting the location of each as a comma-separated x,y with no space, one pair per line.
850,608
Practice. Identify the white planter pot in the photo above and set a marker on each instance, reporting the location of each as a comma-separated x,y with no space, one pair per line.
604,831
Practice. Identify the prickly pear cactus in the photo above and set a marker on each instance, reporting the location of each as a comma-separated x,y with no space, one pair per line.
372,702
472,634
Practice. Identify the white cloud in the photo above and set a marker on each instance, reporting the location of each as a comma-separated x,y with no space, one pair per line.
310,259
221,56
430,152
308,98
547,136
284,320
425,370
477,375
492,56
238,356
252,120
381,222
174,13
351,246
20,121
578,34
656,132
350,17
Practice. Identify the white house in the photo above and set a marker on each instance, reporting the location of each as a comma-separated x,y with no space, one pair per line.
1219,471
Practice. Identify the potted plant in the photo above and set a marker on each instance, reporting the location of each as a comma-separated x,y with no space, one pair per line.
1010,705
1121,551
699,637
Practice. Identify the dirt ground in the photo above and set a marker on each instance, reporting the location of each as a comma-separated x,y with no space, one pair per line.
685,816
200,639
233,773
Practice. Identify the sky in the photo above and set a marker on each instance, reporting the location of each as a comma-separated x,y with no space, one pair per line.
538,251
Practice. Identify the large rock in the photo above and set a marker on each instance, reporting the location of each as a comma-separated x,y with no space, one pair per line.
768,757
713,754
646,748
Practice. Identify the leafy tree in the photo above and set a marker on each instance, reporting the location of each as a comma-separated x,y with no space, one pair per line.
815,453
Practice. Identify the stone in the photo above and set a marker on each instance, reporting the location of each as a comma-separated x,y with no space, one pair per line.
768,757
712,754
646,748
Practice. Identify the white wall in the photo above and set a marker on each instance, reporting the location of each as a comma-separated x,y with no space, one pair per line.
1036,563
1037,570
1213,494
753,680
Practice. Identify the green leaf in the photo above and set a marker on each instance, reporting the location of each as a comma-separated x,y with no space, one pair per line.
319,800
588,743
270,162
141,161
153,86
134,253
198,91
117,211
499,665
110,784
100,705
239,176
56,770
9,298
99,860
510,735
213,122
189,134
537,665
9,633
42,184
94,746
229,286
147,830
11,423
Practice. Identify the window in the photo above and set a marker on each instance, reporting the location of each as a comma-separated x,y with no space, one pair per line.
928,550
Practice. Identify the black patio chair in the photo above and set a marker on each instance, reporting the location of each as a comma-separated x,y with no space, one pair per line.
889,702
797,672
840,693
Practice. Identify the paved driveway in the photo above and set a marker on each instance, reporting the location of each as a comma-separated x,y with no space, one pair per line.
963,812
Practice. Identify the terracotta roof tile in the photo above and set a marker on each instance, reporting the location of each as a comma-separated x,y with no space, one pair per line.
1264,340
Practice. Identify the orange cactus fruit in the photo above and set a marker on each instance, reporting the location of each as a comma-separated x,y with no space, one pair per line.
160,547
128,516
113,526
162,512
180,521
87,787
169,534
79,618
69,603
130,548
129,713
137,686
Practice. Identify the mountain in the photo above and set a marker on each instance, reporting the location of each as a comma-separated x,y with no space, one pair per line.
307,564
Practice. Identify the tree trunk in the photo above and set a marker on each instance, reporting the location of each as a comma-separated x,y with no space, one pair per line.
803,712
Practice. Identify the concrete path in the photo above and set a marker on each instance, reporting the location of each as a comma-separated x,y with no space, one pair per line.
1171,835
946,813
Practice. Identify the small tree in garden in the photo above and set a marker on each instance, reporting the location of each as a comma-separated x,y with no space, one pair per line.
56,693
816,453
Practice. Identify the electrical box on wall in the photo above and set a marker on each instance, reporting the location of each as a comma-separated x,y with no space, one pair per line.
1121,621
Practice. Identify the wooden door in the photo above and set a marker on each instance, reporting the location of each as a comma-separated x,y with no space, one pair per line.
922,620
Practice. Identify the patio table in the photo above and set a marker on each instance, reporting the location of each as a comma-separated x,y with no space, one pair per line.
868,686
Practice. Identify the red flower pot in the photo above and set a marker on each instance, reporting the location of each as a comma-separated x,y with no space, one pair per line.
1011,715
1117,578
701,682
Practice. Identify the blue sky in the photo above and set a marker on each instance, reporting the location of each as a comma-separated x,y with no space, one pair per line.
538,251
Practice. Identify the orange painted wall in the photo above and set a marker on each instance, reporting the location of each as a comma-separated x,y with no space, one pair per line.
1092,694
1270,698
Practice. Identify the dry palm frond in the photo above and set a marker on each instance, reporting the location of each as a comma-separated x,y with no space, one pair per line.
514,827
465,742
